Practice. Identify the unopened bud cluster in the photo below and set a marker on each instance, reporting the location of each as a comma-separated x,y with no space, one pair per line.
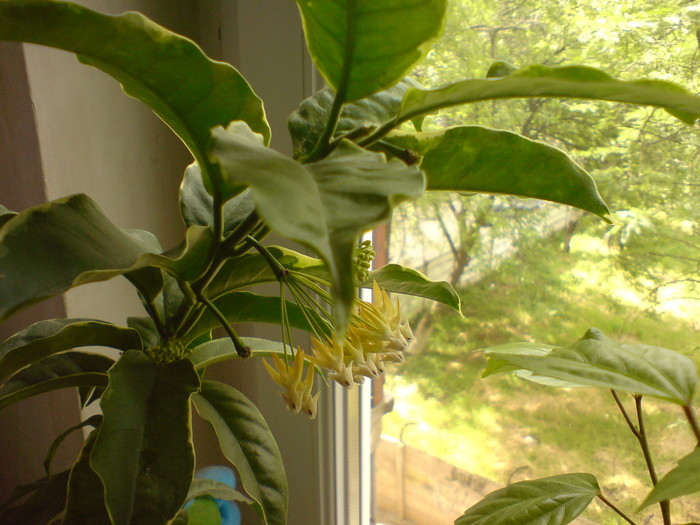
167,352
362,262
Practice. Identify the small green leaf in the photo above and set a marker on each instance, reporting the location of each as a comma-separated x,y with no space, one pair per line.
5,214
556,500
219,350
481,160
166,71
146,329
85,503
247,442
47,499
215,489
197,205
63,370
403,280
567,82
362,46
306,124
143,453
51,336
680,481
248,307
203,511
358,189
595,360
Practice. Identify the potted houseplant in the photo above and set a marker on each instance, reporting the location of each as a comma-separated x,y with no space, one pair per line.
359,151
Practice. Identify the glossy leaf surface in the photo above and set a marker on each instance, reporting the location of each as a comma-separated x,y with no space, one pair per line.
358,189
57,335
403,280
563,82
85,504
247,442
556,500
78,236
197,204
363,46
306,124
248,307
54,372
252,268
679,481
480,160
596,360
166,71
143,453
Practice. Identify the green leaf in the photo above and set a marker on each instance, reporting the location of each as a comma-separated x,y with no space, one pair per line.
5,214
48,497
203,511
247,442
252,268
595,360
556,500
361,46
400,279
481,160
93,421
359,189
284,192
498,366
219,350
85,504
197,205
567,82
166,71
248,307
143,453
215,489
680,481
76,234
188,261
146,329
307,123
57,335
57,371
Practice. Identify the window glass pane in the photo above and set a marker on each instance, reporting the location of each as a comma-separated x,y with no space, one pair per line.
533,271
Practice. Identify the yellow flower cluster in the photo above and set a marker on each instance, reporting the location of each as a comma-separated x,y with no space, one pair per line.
376,335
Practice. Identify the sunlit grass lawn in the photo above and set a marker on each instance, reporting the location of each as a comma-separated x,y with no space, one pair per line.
505,428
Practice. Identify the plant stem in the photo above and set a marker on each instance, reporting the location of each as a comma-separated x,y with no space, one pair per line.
644,443
280,271
693,421
323,146
242,350
622,408
613,507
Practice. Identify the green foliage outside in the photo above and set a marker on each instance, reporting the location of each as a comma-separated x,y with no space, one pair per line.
637,280
354,161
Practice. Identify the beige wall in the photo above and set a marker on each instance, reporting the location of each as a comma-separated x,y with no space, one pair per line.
91,138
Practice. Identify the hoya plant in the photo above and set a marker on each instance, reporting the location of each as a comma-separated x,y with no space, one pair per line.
359,150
